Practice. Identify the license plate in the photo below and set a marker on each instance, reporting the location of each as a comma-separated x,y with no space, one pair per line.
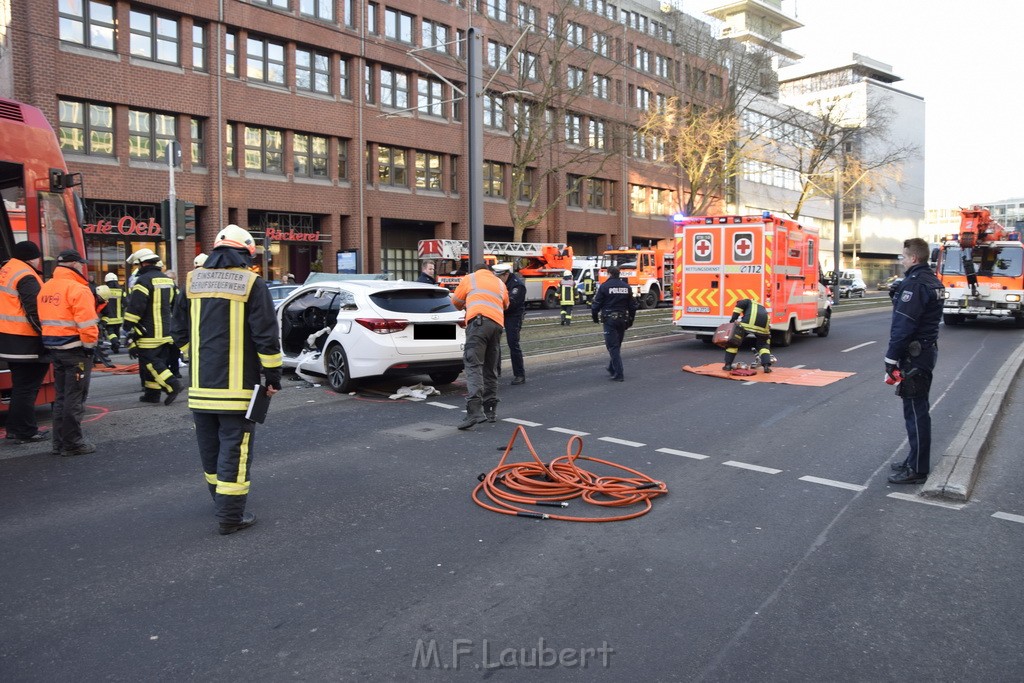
433,332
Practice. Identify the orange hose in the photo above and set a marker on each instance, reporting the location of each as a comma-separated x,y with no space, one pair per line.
512,484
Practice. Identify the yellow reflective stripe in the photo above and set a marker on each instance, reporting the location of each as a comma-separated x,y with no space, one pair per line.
140,288
236,353
150,384
273,360
131,317
196,310
233,406
243,460
152,343
210,478
232,488
184,349
160,379
209,392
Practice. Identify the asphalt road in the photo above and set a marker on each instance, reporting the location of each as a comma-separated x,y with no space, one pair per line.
779,554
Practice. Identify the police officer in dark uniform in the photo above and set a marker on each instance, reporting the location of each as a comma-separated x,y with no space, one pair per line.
615,306
514,314
910,358
753,318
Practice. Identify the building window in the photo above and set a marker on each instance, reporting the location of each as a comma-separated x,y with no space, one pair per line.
596,134
523,115
428,171
391,167
643,99
595,193
153,37
231,54
344,78
494,183
572,189
87,23
309,153
320,9
280,4
369,85
350,13
529,66
642,59
576,34
434,36
453,174
523,179
574,129
494,111
342,159
637,199
662,66
430,96
602,87
600,43
394,89
198,144
495,9
575,77
312,71
529,17
199,47
371,18
229,146
639,146
264,149
149,134
398,26
264,61
497,56
86,128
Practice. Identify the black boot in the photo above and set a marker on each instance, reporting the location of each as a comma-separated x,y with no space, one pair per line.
474,414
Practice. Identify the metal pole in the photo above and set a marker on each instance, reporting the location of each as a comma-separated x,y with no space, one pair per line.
837,217
475,146
172,209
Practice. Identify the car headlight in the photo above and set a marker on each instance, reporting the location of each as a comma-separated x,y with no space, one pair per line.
1013,297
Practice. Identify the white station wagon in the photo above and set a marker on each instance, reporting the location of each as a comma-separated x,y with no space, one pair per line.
349,329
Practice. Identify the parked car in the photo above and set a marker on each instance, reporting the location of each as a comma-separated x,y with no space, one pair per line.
370,328
851,287
894,285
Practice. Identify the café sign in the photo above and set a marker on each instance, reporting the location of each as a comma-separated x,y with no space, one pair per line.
126,226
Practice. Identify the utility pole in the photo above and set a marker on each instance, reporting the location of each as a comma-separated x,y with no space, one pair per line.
475,143
837,217
173,158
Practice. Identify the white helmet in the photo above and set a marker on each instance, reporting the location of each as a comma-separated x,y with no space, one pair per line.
235,237
110,277
143,255
199,261
103,292
567,273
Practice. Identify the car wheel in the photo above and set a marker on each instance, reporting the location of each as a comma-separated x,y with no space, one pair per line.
551,299
861,294
782,339
443,377
706,338
650,299
825,327
338,376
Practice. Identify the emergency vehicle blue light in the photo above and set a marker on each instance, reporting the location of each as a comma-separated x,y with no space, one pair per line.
678,218
766,214
1013,236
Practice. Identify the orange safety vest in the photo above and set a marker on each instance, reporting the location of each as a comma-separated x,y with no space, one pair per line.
13,319
482,293
67,311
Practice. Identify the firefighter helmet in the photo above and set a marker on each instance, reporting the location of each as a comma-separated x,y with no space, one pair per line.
199,261
103,292
110,277
236,238
145,256
567,273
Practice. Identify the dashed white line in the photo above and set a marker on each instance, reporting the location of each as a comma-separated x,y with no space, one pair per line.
833,482
525,423
685,454
748,466
563,430
621,442
911,498
442,405
858,346
1008,517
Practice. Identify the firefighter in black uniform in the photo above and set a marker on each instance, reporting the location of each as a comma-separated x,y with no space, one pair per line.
753,318
567,296
615,306
588,287
224,323
113,313
147,323
911,356
514,314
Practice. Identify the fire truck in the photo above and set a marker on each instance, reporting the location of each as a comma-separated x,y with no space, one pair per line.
771,260
982,269
37,202
540,264
649,272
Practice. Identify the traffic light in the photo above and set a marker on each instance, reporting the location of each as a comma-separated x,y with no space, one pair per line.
185,219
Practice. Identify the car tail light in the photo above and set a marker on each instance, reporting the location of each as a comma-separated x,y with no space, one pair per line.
383,325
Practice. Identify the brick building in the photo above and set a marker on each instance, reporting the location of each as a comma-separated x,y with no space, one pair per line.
336,127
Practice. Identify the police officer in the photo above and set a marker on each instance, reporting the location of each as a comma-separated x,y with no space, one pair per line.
567,296
227,310
514,314
427,273
112,315
147,321
484,298
615,306
753,318
913,350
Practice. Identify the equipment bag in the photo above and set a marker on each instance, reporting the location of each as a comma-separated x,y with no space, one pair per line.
729,335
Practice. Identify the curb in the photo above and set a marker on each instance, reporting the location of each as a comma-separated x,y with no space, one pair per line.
954,475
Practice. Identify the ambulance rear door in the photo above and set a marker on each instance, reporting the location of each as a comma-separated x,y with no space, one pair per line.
746,264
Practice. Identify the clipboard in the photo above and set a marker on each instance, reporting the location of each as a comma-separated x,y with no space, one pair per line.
259,404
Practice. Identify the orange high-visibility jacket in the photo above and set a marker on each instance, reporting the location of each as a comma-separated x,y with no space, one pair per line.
19,324
482,293
67,311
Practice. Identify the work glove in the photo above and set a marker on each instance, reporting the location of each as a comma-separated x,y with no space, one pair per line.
892,370
273,377
596,321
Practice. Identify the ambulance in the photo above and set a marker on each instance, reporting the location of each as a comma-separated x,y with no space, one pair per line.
771,260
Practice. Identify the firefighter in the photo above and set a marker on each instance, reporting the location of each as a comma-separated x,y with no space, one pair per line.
484,298
567,297
224,323
615,306
112,315
911,356
199,260
588,287
514,314
20,343
753,319
147,322
70,332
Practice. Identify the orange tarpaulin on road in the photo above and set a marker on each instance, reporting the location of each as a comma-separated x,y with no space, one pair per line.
808,377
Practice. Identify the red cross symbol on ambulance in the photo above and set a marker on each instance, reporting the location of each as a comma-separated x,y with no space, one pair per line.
743,247
702,248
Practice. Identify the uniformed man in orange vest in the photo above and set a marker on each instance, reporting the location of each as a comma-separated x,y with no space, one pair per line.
484,298
70,331
20,343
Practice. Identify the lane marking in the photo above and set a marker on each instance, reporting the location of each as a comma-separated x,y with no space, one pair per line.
1008,517
525,423
748,466
442,405
685,454
621,442
563,430
911,498
833,482
858,346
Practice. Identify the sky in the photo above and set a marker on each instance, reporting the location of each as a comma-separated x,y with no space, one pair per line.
966,59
